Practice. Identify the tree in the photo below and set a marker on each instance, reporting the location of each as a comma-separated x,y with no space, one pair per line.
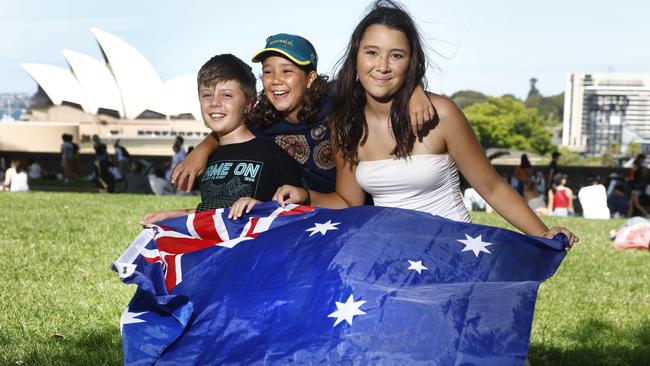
633,148
607,159
506,122
551,108
467,98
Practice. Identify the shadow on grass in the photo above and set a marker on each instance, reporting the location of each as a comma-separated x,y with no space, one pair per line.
92,347
600,343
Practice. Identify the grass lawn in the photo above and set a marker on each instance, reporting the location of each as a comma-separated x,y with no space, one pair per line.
60,304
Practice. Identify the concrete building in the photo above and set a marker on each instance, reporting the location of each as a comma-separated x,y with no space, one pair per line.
605,111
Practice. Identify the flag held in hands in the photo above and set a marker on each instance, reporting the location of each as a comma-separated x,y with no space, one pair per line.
297,285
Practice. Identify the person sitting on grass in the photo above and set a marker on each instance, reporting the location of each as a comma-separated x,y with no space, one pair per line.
617,202
535,199
159,185
16,179
245,169
560,197
137,182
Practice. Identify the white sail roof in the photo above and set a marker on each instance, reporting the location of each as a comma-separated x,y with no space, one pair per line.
96,81
58,83
125,82
138,81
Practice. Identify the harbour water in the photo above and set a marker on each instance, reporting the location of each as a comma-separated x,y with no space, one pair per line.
9,115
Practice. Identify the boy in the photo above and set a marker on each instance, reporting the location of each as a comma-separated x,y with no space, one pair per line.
244,170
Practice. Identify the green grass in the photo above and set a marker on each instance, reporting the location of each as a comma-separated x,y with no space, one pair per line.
60,304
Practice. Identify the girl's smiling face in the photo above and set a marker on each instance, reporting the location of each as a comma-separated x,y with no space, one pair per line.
285,85
382,61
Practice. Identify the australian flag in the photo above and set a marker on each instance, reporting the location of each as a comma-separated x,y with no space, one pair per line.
297,285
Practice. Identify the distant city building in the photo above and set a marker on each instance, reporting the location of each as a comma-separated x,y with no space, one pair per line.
120,96
605,110
12,105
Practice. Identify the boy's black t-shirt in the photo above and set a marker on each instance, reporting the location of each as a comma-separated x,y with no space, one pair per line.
254,168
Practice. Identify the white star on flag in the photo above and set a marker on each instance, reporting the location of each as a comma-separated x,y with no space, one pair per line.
130,318
346,311
476,245
323,228
417,266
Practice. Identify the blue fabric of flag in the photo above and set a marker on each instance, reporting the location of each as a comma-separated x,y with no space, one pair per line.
365,285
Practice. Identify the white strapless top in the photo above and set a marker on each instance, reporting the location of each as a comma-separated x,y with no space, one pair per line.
424,182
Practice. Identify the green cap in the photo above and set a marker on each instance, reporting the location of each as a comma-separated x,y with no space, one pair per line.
295,48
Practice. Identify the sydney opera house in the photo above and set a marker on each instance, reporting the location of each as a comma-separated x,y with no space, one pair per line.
119,96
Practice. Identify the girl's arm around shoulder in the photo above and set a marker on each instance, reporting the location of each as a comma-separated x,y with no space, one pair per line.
421,110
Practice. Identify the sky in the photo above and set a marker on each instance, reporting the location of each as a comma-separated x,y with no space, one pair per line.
491,46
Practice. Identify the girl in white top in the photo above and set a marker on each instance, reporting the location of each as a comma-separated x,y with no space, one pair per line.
375,150
16,179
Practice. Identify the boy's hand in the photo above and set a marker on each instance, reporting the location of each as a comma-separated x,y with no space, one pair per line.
241,205
185,173
290,194
151,217
421,110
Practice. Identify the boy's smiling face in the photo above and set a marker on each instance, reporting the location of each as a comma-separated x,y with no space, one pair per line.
222,106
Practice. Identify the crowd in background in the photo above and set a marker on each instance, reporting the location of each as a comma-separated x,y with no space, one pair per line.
136,176
600,198
546,194
114,173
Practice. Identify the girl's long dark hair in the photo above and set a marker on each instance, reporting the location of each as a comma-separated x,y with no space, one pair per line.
348,122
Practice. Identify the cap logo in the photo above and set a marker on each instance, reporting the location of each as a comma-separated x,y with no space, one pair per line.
285,41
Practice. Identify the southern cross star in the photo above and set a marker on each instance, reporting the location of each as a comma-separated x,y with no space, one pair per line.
347,311
417,266
323,228
130,318
474,244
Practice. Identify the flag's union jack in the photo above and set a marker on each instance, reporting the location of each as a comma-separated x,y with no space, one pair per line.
167,243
